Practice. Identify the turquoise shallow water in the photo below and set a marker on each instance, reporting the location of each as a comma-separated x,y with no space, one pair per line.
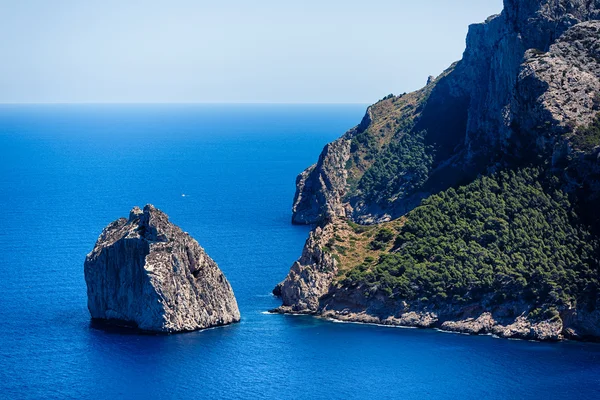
67,171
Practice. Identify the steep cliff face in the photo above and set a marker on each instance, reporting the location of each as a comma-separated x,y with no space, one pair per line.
320,187
310,277
526,93
558,98
494,55
477,116
146,272
558,90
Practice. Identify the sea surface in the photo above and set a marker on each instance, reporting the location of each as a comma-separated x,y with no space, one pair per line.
225,174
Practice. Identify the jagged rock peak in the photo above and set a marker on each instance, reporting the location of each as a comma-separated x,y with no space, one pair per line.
557,11
146,272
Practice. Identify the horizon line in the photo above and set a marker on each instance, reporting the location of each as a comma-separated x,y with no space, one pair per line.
182,103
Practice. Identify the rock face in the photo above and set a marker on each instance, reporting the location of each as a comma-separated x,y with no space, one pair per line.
320,187
533,67
146,272
310,277
561,86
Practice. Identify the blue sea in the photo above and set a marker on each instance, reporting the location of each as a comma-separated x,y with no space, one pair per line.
225,174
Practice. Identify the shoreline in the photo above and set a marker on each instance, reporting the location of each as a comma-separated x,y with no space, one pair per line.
530,332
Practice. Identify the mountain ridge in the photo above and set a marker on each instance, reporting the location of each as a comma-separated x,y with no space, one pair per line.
473,112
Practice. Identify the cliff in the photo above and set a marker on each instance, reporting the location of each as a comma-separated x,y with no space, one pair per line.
147,273
476,195
310,277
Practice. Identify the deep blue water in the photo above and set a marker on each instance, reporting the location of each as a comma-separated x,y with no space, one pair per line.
67,171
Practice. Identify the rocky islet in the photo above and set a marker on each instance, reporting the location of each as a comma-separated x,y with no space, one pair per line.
147,273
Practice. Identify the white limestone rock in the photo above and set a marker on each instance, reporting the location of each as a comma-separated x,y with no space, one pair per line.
146,272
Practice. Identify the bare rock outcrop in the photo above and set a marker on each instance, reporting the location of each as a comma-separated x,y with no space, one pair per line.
146,272
320,188
310,277
560,89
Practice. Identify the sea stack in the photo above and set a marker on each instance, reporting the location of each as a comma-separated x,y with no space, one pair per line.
147,273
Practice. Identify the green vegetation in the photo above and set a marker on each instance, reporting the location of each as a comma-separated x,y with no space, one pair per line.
357,228
401,168
393,150
588,137
365,142
389,120
505,237
383,237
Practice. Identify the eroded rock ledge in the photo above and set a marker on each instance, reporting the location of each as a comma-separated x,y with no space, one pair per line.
146,272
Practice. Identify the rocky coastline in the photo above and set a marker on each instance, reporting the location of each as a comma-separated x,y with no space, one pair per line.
484,324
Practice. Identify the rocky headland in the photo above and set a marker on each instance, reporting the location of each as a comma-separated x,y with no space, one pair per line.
145,272
468,205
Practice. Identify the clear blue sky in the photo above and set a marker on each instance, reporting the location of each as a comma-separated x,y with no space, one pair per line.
339,51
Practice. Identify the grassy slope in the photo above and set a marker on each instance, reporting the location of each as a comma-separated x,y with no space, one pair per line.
392,118
408,137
